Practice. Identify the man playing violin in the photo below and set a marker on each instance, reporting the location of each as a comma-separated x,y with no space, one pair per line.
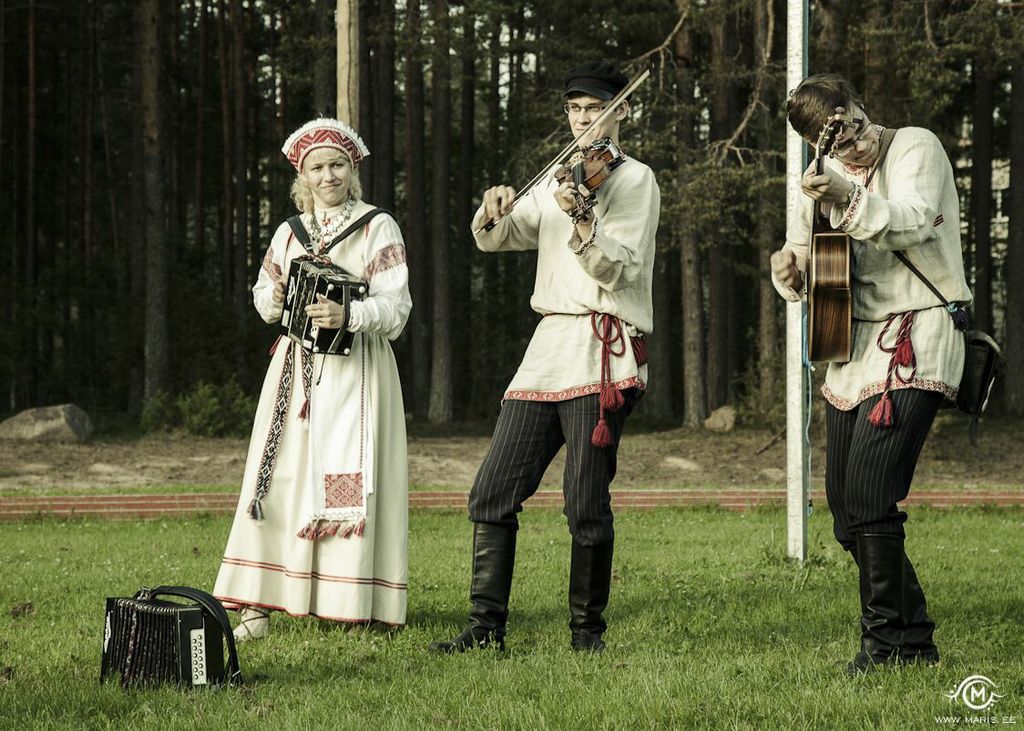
907,356
584,369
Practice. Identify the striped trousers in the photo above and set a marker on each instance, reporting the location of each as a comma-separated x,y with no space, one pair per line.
868,470
526,438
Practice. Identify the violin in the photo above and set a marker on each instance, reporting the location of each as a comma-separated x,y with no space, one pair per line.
572,148
587,170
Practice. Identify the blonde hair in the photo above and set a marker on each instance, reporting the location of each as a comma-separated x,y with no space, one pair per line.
302,196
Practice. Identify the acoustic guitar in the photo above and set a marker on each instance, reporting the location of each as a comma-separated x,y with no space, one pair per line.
829,300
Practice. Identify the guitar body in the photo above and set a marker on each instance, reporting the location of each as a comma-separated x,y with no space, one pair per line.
829,298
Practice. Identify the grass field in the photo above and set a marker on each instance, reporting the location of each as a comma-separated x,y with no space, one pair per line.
708,627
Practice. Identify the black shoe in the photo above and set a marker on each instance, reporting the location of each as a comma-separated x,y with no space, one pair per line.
470,638
590,578
587,642
494,555
881,562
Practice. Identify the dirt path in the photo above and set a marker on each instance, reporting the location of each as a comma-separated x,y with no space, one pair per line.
656,460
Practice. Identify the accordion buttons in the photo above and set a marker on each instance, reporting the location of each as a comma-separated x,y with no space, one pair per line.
347,351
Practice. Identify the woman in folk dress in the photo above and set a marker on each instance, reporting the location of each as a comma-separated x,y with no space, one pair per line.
321,524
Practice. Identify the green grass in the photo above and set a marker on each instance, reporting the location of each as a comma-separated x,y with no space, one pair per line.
709,627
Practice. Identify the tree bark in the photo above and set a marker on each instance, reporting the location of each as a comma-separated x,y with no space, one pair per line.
241,166
1013,274
719,307
465,244
156,351
440,410
694,409
416,240
199,204
383,157
348,21
768,301
30,202
227,141
325,85
981,193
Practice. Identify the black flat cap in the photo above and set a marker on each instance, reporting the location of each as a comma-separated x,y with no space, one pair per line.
599,79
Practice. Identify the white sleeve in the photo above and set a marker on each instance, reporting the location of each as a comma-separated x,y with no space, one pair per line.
516,231
798,237
271,270
906,216
387,305
624,238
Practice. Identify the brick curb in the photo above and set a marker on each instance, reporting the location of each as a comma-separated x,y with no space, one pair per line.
185,505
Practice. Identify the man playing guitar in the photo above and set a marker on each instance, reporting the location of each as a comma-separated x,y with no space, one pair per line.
906,355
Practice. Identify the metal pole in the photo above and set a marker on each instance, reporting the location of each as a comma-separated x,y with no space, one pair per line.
798,453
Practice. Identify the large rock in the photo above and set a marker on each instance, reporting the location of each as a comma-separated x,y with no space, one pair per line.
721,420
64,423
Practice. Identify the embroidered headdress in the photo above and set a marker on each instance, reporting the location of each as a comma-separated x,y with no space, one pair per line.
324,132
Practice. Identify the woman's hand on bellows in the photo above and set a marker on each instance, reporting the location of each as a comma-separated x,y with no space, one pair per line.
785,270
278,293
498,201
326,314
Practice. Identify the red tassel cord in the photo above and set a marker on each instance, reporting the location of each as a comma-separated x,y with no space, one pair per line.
901,355
608,330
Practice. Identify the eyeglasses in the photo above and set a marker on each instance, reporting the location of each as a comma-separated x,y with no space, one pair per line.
846,145
589,109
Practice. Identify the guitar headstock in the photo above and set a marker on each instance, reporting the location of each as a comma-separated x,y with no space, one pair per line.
832,128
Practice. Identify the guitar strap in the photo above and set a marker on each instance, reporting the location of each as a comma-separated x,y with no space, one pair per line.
883,147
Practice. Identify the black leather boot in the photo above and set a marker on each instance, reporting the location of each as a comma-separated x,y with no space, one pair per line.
916,644
881,562
590,578
494,555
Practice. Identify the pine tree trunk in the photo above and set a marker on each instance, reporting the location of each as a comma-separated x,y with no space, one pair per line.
981,194
324,81
465,245
227,142
440,410
199,233
694,408
30,203
156,351
365,123
768,300
383,157
719,306
415,230
241,165
1013,273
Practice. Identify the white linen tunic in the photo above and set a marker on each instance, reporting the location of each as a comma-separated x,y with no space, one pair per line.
612,275
911,205
350,451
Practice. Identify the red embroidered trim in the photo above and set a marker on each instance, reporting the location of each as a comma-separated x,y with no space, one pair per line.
235,603
571,393
851,210
321,137
387,258
921,384
269,266
344,490
281,569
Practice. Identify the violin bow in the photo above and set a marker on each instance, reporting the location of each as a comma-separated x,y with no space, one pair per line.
568,150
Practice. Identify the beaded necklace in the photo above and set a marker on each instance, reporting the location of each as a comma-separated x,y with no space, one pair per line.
325,231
